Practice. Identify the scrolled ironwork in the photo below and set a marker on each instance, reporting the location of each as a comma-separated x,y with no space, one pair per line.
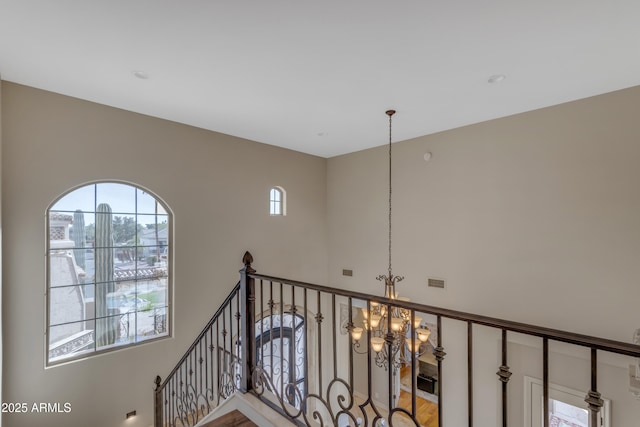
262,382
326,404
202,378
191,405
363,408
403,411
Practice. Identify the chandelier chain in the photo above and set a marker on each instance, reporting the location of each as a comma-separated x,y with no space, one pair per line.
390,189
396,334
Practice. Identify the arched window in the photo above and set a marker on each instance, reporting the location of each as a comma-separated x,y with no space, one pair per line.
108,270
277,201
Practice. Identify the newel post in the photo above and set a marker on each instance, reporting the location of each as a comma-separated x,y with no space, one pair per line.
247,321
157,415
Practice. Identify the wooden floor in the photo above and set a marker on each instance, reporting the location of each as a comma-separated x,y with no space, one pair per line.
231,419
426,411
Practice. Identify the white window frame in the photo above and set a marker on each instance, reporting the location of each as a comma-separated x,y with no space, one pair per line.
165,256
533,402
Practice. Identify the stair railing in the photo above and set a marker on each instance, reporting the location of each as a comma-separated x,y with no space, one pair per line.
214,367
293,348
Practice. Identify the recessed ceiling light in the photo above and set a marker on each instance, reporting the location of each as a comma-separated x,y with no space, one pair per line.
141,75
497,78
322,134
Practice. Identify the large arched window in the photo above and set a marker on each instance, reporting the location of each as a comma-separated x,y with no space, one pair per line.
108,270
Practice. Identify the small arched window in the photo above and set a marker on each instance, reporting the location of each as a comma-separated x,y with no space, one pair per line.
277,201
108,270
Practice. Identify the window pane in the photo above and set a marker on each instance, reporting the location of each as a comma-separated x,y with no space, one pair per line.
65,244
89,259
121,197
154,230
151,293
110,301
89,293
154,257
69,340
160,320
111,331
127,287
125,257
564,414
104,268
127,327
151,221
147,204
103,233
275,208
67,304
59,230
82,198
62,269
124,230
151,323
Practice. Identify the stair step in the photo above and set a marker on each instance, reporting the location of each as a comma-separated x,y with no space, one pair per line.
231,419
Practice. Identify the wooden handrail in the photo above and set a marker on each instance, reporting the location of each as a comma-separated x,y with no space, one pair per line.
589,341
222,307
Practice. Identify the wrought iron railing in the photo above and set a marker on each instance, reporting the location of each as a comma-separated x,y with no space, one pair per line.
207,373
303,361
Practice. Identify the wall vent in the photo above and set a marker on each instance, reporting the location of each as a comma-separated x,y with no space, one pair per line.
436,283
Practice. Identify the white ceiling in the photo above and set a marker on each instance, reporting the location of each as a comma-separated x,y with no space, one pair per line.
317,76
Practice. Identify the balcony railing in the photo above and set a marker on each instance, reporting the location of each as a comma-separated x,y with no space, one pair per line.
293,345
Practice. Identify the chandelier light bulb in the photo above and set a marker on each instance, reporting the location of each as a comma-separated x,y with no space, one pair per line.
375,320
423,334
416,321
356,333
396,324
377,343
413,345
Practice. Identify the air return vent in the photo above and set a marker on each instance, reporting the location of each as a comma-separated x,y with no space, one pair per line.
436,283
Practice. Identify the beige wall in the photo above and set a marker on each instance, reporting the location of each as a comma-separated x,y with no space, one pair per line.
533,218
1,316
217,187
